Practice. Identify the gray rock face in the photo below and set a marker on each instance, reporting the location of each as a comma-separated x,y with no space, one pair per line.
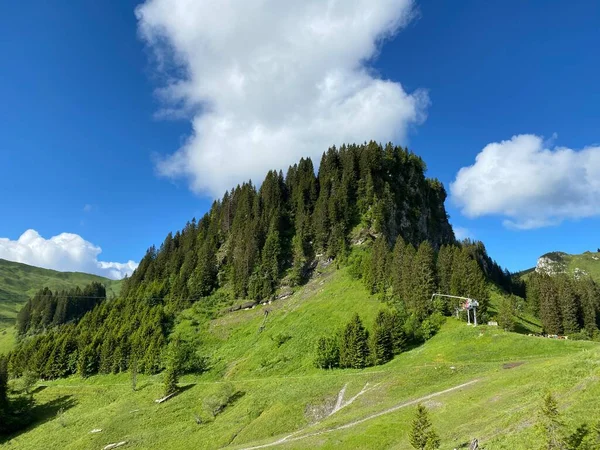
550,266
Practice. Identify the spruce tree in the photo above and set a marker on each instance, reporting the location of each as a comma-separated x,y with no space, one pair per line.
354,347
327,353
395,269
422,435
568,302
382,344
550,425
378,266
171,378
424,279
549,306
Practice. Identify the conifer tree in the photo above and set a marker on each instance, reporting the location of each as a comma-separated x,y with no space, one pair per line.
408,282
354,347
395,269
424,279
382,344
549,306
327,353
506,313
171,379
568,302
422,435
378,266
550,425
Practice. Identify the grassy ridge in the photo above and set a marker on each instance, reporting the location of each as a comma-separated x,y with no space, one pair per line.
279,392
19,282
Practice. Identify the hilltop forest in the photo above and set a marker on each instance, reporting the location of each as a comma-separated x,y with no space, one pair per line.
370,207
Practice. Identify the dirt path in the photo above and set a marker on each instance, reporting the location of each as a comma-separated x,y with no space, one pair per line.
293,437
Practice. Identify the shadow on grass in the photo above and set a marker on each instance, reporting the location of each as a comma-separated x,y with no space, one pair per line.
27,415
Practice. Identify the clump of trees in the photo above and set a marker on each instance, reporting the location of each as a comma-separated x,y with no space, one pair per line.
15,412
354,347
49,309
565,305
408,277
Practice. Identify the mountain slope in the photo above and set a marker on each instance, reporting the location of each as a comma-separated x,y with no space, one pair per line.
477,382
19,281
581,265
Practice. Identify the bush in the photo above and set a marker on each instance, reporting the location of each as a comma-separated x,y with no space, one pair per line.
280,339
226,394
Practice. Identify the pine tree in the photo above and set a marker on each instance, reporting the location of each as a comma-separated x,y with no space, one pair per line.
422,435
549,306
424,279
506,313
395,269
382,344
568,302
354,347
408,282
171,378
550,425
378,266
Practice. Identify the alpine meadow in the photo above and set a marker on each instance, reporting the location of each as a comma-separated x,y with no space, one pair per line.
316,224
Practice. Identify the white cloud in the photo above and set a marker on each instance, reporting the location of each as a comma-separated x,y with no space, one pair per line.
65,252
270,81
462,233
530,185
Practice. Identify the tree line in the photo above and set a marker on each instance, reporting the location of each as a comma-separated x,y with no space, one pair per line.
48,309
565,305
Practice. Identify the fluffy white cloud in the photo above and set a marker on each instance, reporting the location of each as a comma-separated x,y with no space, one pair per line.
65,252
269,81
530,185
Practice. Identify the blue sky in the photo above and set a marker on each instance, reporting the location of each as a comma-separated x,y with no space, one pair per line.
89,147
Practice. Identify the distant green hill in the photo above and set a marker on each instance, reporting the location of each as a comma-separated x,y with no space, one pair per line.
584,264
19,281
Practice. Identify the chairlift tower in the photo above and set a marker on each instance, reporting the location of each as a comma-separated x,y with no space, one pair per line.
468,305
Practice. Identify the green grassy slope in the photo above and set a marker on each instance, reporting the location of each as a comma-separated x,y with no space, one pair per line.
587,263
19,281
280,393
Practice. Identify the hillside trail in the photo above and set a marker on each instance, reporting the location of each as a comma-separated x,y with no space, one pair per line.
294,436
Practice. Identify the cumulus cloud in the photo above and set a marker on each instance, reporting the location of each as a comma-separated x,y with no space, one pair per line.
266,82
530,185
65,252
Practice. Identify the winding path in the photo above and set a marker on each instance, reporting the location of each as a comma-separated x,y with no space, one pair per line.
294,436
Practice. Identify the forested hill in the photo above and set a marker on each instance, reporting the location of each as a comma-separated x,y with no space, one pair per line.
370,208
19,282
251,237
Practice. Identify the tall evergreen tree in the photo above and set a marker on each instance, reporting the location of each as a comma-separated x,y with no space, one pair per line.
382,343
422,435
424,279
354,347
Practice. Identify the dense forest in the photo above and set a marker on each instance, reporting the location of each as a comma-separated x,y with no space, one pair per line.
565,305
369,207
47,309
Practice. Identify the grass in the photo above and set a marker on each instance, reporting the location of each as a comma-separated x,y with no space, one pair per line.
271,389
19,282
